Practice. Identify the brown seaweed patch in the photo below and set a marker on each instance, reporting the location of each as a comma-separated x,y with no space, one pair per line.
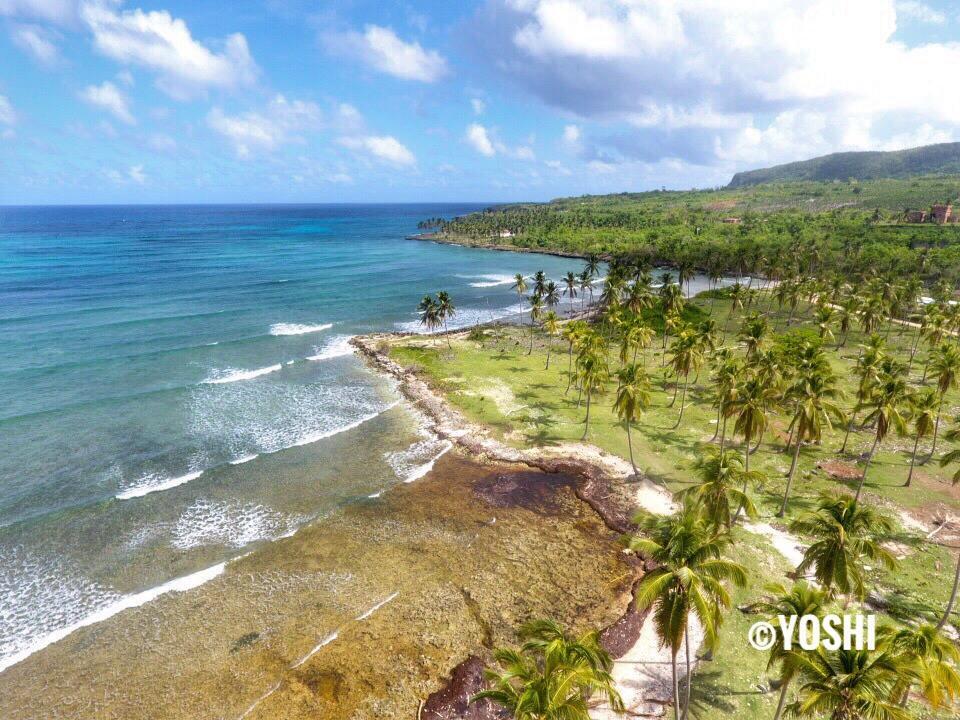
534,491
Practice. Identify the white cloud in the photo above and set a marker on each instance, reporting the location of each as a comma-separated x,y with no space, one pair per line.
478,106
571,134
37,41
163,43
382,147
267,129
109,97
133,174
479,139
380,48
687,78
558,167
125,77
920,12
522,152
7,115
61,12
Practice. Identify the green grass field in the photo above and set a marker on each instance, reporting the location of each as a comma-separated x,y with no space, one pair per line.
493,379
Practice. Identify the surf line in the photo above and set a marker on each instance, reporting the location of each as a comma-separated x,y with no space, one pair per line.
323,643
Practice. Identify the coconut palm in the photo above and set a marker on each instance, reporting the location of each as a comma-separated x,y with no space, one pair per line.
849,685
722,485
536,313
636,337
570,289
847,310
886,405
573,332
690,576
869,362
592,371
539,283
812,394
844,534
520,285
685,358
586,285
801,599
727,376
945,367
445,310
925,406
824,317
551,326
429,314
552,676
753,332
934,658
633,398
639,297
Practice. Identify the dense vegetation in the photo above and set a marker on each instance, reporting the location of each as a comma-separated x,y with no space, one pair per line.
807,386
943,158
779,229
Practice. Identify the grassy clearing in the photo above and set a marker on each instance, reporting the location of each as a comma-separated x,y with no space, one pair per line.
496,381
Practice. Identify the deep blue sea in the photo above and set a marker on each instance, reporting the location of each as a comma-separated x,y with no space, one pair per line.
176,387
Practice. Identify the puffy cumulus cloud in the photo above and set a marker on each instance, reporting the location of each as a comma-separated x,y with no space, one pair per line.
713,78
133,174
380,48
479,139
109,97
162,43
381,147
7,115
920,12
266,129
38,42
478,106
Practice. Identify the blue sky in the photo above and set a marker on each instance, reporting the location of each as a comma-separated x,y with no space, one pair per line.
105,101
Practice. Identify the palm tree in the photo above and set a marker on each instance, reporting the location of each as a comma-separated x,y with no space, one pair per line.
812,393
685,272
637,336
586,285
539,283
886,403
445,309
520,285
552,676
946,369
536,312
723,482
592,371
750,407
845,533
551,326
753,332
801,599
570,280
633,398
848,309
573,332
925,407
639,297
934,659
849,685
824,316
551,295
868,370
686,357
429,314
689,577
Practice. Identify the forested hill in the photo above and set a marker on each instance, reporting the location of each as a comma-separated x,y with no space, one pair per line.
943,158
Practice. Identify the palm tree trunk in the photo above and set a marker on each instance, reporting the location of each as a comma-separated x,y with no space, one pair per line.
782,701
866,466
686,650
683,398
936,430
716,431
793,469
676,686
548,357
723,433
586,424
746,469
913,460
953,597
630,445
676,388
569,368
850,424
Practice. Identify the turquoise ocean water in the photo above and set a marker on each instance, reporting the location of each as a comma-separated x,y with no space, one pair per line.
176,387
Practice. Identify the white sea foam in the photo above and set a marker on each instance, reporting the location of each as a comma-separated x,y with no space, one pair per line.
338,346
376,607
297,328
467,317
244,459
231,524
152,483
488,281
418,459
115,604
324,434
233,375
323,643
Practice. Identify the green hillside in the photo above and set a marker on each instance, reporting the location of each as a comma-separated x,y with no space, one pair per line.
939,159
